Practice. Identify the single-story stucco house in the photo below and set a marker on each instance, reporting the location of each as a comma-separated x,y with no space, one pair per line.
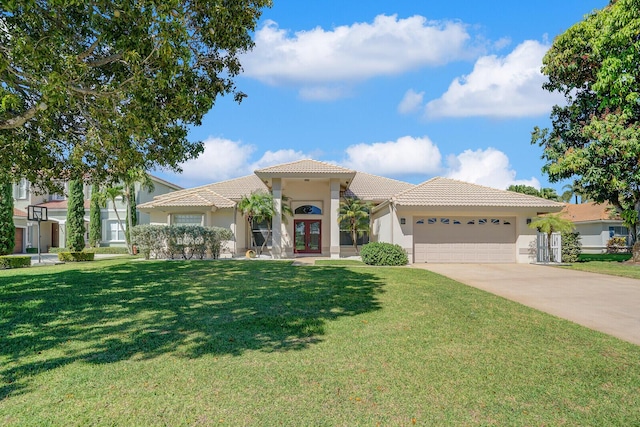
440,220
596,223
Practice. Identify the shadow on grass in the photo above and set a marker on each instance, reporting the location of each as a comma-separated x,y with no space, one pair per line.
140,310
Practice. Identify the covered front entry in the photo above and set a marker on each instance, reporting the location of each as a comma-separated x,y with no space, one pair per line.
308,234
450,239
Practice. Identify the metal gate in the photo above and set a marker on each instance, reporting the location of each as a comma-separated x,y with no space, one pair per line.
543,248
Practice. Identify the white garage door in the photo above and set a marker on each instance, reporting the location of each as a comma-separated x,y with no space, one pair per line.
464,239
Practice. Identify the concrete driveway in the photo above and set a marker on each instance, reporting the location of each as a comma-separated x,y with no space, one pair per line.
605,303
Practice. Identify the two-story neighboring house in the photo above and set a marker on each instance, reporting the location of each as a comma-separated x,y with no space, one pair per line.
53,231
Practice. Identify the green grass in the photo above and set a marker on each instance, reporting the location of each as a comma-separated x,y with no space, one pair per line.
340,262
607,267
180,343
604,257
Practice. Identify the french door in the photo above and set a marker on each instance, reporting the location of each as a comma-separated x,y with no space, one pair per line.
307,236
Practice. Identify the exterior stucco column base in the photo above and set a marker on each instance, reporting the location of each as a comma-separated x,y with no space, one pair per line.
335,252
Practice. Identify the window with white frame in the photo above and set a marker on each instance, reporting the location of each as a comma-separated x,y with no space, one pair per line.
187,219
21,190
113,231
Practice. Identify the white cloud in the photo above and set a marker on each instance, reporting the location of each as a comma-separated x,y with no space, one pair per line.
386,46
488,167
221,159
271,158
323,93
406,156
411,102
508,86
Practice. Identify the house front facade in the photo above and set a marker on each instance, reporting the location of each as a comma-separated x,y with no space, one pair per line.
53,231
441,220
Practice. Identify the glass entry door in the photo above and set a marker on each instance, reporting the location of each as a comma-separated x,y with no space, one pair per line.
307,236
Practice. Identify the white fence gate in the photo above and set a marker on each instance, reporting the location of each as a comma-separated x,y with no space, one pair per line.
543,248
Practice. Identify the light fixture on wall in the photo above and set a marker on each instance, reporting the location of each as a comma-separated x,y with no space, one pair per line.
403,221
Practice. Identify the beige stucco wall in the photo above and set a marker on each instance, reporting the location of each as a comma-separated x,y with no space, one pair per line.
595,235
387,225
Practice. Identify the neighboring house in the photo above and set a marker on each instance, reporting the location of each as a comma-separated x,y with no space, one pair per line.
52,232
441,220
596,225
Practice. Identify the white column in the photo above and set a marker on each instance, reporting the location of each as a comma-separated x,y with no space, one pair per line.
335,227
276,245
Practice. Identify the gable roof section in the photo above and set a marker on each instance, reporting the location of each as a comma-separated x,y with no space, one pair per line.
450,192
220,194
306,167
586,212
62,204
375,188
18,213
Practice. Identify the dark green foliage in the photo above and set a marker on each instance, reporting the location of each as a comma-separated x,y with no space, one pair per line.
571,246
132,219
31,250
184,241
377,253
75,217
7,228
14,261
95,220
75,256
604,257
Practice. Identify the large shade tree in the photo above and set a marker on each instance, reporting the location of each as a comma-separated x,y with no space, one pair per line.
106,87
595,137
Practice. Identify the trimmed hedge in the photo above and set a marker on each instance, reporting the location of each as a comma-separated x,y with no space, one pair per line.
108,250
75,256
378,253
180,241
14,261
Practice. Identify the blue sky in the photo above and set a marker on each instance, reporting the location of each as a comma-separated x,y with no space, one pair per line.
404,89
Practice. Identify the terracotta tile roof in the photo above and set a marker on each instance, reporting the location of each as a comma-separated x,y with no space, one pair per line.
62,204
589,212
375,188
306,166
449,192
19,213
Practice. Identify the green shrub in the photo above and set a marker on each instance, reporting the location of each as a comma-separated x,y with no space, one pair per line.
377,253
571,246
617,245
57,250
185,241
14,261
111,250
75,256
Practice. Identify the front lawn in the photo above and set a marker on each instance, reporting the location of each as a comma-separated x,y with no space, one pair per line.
125,342
608,267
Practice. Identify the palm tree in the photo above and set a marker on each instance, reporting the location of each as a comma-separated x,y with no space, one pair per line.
549,224
111,194
549,194
354,216
258,207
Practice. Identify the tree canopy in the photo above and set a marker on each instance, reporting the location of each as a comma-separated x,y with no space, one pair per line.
595,138
105,87
545,193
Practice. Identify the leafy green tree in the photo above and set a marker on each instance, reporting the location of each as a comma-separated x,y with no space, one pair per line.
7,228
524,189
95,219
595,138
258,207
75,216
354,217
104,87
549,224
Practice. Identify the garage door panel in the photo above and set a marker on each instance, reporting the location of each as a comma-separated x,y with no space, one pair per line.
465,240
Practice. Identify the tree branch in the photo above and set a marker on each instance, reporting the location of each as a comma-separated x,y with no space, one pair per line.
18,121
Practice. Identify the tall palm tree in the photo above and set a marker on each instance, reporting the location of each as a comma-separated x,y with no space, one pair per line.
258,207
354,216
549,224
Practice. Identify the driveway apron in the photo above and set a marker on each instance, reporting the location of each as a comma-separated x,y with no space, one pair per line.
605,303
